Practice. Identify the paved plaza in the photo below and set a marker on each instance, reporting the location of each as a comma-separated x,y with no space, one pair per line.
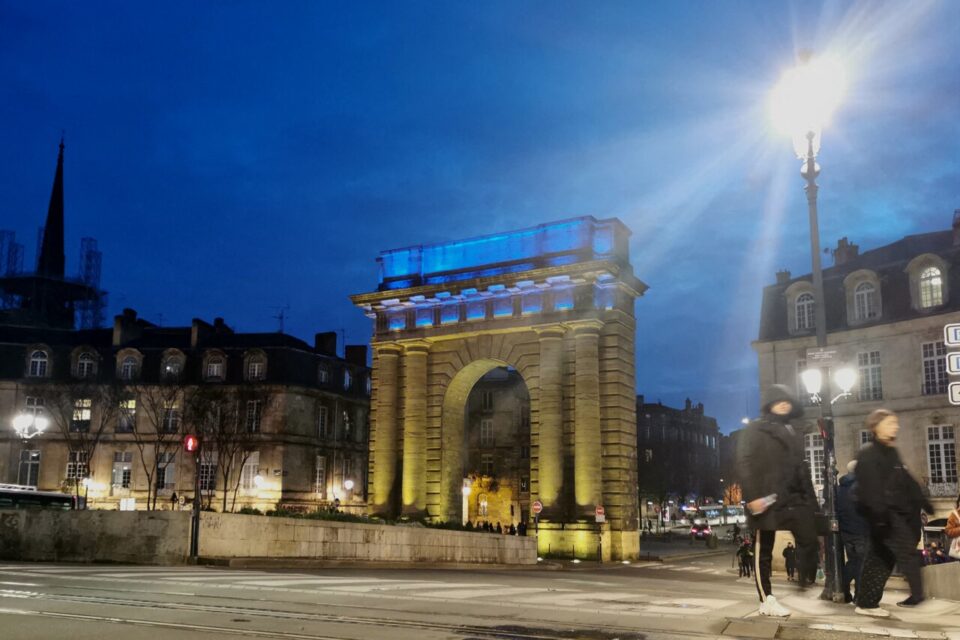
691,597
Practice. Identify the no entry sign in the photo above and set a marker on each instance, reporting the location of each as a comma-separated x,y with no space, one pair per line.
536,507
601,514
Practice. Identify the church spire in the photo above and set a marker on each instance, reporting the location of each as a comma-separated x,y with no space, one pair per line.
51,261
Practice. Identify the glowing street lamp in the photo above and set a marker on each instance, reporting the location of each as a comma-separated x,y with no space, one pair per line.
29,425
801,105
348,485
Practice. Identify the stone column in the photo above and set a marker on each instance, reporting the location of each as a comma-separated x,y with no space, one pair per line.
414,492
587,439
550,449
384,472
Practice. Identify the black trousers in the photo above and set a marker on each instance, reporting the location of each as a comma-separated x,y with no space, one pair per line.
855,548
897,545
800,522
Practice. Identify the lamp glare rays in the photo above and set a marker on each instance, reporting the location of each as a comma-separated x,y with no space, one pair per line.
28,425
812,381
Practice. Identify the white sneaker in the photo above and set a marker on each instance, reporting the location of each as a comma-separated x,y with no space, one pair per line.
875,612
770,607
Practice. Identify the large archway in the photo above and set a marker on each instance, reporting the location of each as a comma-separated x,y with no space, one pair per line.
557,308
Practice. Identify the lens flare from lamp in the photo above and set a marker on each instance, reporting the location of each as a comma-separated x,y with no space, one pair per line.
348,485
812,379
846,378
258,481
805,99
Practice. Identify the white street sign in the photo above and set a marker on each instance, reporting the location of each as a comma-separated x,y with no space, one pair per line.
953,391
951,334
953,364
821,356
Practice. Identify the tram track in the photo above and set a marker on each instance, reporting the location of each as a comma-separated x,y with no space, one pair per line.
244,614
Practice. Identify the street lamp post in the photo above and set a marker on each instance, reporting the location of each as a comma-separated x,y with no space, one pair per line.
803,103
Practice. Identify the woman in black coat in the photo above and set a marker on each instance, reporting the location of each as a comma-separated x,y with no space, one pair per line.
890,500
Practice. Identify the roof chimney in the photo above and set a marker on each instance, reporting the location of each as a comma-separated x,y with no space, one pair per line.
326,343
199,331
126,327
956,227
783,276
847,251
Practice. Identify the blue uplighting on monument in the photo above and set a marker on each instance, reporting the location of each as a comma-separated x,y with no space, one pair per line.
553,244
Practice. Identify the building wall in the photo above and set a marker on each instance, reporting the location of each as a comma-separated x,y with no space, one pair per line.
902,377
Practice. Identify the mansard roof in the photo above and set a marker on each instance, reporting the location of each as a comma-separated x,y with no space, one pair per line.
889,262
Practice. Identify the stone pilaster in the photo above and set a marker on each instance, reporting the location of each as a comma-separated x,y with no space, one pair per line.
587,437
384,472
550,441
414,492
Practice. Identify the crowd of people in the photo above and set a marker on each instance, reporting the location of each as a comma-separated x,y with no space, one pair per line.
489,527
879,506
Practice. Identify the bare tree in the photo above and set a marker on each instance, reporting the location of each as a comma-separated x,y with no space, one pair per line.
81,411
159,439
228,420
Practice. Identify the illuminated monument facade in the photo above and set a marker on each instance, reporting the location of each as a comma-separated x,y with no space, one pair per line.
555,303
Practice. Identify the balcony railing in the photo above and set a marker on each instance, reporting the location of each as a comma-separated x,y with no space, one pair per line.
942,489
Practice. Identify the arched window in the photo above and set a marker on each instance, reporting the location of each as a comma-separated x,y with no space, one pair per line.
931,288
38,364
805,304
215,368
128,368
256,368
86,365
172,367
865,301
347,379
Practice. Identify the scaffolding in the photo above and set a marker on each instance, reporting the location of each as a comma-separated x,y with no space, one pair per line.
90,311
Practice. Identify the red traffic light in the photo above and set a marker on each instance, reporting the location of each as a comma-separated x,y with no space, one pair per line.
190,443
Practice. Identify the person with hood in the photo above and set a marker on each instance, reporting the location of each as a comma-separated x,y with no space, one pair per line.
778,491
890,500
790,560
853,530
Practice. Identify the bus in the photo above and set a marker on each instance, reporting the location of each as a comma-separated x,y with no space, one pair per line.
15,496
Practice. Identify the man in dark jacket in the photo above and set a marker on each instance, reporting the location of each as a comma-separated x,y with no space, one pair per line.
853,530
778,490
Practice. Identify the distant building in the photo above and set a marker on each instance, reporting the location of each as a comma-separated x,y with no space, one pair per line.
283,423
677,451
497,461
886,309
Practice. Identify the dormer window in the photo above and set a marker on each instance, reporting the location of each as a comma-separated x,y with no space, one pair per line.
347,379
323,374
931,288
38,364
256,366
805,308
865,301
215,368
128,368
86,365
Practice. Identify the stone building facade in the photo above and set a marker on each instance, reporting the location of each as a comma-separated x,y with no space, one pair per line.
678,451
283,422
556,304
886,309
497,458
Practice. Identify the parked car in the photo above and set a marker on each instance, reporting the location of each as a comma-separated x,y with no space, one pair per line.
701,531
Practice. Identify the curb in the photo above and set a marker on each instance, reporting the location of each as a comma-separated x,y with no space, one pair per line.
315,563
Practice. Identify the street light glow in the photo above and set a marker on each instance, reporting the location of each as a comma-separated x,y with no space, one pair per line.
28,425
846,378
812,380
348,485
804,100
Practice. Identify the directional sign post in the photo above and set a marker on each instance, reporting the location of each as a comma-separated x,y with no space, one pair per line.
951,334
536,507
953,392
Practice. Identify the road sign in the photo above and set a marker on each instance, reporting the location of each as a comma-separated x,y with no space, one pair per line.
536,507
953,364
821,356
953,392
951,334
601,514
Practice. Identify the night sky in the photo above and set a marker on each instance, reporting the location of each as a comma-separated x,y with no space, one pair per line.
232,158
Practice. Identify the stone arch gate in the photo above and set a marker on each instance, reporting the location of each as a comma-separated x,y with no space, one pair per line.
554,302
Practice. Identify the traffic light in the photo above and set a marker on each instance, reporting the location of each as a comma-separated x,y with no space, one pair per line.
190,443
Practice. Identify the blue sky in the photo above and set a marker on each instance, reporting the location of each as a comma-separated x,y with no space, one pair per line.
235,157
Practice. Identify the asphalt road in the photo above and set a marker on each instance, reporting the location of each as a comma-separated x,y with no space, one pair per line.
690,598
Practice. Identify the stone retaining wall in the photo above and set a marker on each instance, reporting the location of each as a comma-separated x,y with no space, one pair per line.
139,537
226,535
163,537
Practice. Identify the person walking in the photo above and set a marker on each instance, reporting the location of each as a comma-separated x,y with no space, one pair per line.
853,530
745,557
790,559
890,500
777,488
